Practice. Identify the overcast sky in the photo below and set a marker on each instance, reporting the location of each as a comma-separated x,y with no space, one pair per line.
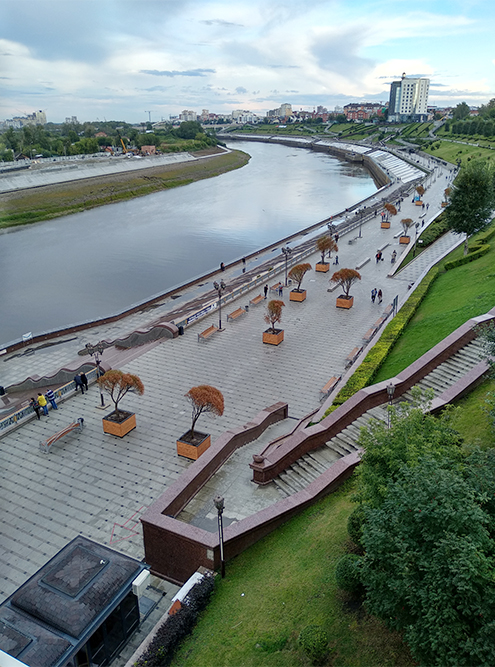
120,59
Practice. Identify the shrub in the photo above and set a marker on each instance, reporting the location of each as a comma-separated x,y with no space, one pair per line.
355,525
314,642
348,574
161,650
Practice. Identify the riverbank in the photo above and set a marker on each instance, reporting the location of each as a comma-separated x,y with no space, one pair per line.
53,201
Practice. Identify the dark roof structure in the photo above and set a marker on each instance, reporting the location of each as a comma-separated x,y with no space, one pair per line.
55,612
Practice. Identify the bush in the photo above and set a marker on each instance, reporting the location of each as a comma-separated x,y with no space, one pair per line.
477,252
314,642
348,574
355,525
168,637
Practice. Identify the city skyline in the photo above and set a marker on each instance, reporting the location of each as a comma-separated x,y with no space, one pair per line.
130,59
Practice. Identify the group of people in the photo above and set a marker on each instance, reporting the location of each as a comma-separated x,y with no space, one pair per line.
40,403
376,295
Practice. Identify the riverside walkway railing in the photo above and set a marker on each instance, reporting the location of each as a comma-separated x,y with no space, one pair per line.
26,413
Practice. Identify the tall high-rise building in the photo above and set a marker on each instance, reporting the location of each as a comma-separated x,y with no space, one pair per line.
408,99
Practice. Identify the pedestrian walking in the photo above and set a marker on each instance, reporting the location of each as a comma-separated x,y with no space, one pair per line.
84,380
43,403
281,290
36,407
373,295
423,206
336,238
79,383
394,257
222,266
427,206
380,296
336,259
265,289
51,397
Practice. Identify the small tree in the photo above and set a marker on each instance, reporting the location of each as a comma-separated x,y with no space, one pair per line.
298,272
204,398
346,278
390,208
446,194
118,384
406,223
326,244
420,190
274,313
471,200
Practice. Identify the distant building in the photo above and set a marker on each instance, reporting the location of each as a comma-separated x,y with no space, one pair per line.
35,118
363,110
408,100
148,150
71,120
188,115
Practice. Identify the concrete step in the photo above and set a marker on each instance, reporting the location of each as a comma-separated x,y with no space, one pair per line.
301,469
312,461
284,490
325,456
294,479
290,486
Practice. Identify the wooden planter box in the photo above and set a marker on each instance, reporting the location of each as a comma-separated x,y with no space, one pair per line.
444,204
322,267
193,450
119,428
404,240
344,301
418,202
297,295
385,225
273,338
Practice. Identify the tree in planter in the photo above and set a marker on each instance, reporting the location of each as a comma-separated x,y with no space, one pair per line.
446,194
204,398
326,244
274,313
346,279
420,190
118,384
471,200
391,210
297,274
406,223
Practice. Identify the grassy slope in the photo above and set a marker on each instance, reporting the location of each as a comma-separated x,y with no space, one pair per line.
454,297
28,206
279,586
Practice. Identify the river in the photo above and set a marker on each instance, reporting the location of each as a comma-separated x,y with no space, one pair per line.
91,264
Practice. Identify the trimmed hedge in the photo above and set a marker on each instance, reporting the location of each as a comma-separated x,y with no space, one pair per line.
161,650
476,251
364,375
348,574
314,642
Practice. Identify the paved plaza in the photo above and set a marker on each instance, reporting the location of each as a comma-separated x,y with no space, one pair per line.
99,485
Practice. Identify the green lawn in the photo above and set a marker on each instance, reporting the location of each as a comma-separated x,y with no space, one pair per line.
453,298
280,585
472,420
451,152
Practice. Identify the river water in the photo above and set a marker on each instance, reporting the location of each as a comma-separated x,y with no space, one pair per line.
89,265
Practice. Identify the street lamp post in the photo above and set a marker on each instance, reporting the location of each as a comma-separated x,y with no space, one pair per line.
286,251
96,351
220,287
219,503
415,239
390,393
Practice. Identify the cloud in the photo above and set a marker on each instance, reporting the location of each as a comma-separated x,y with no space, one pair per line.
338,52
172,73
240,90
222,23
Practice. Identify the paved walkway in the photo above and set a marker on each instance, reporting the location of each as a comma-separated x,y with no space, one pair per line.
98,485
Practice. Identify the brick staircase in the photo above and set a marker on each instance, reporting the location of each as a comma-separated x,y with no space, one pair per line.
310,466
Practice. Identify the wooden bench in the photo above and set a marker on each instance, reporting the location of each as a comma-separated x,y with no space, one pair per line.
207,332
237,313
45,445
369,334
388,310
257,299
330,385
352,356
274,288
380,321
